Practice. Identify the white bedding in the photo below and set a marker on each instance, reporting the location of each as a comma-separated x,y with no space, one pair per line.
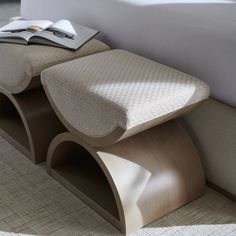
198,37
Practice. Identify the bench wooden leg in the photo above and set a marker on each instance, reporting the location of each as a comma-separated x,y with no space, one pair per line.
28,122
134,181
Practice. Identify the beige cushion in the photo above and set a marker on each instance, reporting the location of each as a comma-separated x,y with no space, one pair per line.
20,65
99,93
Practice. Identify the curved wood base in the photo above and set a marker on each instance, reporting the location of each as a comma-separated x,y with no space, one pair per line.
135,181
28,122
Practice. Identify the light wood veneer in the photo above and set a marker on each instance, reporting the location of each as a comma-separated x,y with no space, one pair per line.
28,122
135,181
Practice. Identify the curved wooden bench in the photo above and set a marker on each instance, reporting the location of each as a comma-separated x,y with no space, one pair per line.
125,153
27,120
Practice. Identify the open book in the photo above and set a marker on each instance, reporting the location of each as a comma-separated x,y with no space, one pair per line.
60,34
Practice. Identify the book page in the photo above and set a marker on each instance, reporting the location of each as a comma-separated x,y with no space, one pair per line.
63,26
83,34
24,35
26,25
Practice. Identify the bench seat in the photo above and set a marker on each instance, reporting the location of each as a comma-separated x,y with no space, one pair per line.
103,99
118,93
21,65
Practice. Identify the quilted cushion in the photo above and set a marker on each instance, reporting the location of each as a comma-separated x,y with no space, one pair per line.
99,93
20,64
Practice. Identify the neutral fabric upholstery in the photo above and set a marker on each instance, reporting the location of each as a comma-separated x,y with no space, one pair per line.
20,64
99,93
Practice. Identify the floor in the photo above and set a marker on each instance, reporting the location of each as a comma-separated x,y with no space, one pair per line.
32,203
